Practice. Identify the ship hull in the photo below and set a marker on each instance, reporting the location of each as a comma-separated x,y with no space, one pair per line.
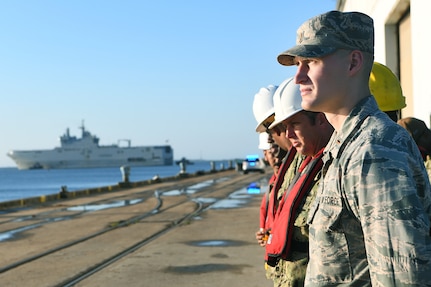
104,156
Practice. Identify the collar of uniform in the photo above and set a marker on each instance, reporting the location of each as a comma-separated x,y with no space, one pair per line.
363,109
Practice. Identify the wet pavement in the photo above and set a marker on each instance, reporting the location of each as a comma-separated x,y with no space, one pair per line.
188,190
214,248
217,248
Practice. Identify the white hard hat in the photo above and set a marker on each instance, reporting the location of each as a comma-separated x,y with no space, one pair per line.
263,106
287,101
263,141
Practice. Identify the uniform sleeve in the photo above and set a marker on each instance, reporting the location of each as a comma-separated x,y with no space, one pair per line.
390,201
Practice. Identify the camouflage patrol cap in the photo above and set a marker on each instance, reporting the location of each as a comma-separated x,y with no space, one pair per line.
326,33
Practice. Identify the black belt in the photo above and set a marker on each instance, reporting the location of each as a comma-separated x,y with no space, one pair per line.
299,246
296,246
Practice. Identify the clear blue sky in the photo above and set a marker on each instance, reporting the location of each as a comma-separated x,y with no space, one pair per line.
183,72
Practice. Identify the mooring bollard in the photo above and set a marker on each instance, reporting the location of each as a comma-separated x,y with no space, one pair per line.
238,166
230,164
183,167
125,172
63,192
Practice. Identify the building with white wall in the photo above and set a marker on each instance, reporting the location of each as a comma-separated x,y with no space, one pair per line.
402,28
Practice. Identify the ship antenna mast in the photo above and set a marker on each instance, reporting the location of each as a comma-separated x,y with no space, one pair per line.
82,127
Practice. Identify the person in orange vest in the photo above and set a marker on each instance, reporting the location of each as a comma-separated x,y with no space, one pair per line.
273,155
263,109
308,132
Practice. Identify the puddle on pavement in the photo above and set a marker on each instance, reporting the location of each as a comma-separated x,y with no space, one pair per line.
236,199
253,188
90,207
201,185
193,188
175,192
205,200
229,203
205,268
12,233
95,207
216,243
24,218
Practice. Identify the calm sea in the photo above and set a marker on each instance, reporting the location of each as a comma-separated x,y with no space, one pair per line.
17,184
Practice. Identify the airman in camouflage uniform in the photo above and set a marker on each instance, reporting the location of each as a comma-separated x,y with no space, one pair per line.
370,223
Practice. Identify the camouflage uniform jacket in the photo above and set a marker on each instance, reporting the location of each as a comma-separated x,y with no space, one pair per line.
370,223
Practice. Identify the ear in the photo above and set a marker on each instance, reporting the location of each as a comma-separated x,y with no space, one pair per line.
356,61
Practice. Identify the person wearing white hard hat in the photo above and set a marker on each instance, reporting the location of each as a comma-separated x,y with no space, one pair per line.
263,110
263,142
272,153
308,132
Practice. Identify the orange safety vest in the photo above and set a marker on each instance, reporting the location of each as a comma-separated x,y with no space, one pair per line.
272,202
280,243
265,202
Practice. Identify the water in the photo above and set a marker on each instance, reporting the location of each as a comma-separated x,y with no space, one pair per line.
17,184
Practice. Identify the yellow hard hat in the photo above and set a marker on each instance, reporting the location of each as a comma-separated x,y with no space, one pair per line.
386,88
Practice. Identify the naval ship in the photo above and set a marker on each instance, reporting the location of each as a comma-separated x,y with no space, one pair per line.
85,152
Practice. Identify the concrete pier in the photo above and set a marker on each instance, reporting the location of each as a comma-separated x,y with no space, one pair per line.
217,248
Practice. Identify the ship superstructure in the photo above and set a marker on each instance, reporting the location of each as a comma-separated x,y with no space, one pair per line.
85,152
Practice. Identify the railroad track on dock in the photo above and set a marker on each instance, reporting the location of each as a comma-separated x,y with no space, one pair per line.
92,240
